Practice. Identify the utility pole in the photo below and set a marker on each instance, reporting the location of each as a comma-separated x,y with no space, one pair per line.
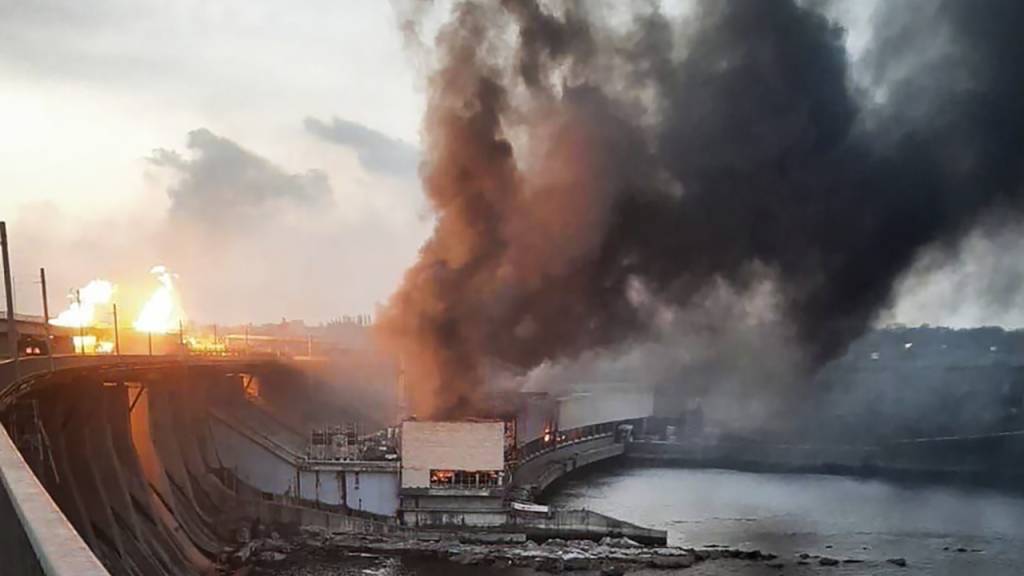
181,335
12,323
117,337
46,317
81,324
149,340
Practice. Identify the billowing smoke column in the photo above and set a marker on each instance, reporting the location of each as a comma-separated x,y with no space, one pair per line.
582,168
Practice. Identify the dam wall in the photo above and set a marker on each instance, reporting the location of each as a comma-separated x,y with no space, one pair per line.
143,473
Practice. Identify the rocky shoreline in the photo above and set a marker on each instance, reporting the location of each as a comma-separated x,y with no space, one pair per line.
608,557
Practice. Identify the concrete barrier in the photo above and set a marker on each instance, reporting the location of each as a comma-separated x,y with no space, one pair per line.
583,525
541,471
35,537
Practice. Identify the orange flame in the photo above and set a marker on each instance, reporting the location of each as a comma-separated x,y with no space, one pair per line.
161,313
82,311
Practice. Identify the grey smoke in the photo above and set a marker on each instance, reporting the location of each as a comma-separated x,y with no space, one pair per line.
979,282
221,182
377,151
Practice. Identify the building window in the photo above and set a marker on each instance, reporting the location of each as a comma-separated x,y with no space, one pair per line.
465,478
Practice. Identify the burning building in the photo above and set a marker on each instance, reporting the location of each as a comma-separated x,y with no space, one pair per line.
453,473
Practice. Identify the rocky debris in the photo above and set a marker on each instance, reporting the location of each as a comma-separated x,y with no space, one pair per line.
901,562
243,553
677,561
271,556
612,570
607,557
272,549
468,558
622,542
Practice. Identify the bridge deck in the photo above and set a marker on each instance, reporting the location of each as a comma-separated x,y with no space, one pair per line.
14,380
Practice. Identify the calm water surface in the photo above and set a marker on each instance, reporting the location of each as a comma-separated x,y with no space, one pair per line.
830,515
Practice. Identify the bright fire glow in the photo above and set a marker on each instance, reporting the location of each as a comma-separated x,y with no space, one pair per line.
206,345
89,344
82,311
160,314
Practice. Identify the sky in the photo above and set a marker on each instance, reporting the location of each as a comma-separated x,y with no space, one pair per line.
267,154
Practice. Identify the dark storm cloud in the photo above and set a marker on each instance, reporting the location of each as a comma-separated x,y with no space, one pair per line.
221,182
377,152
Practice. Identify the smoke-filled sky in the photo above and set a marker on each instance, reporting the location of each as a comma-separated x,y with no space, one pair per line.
268,152
598,173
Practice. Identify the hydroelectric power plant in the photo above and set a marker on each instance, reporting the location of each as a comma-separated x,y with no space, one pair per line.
192,463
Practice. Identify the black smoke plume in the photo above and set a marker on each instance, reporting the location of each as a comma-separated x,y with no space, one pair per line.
581,169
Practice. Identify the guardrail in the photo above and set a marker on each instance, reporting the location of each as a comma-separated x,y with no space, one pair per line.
43,541
560,438
29,370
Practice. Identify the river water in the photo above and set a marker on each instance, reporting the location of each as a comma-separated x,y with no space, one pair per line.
834,516
938,530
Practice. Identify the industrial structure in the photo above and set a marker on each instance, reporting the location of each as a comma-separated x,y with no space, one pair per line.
157,461
453,474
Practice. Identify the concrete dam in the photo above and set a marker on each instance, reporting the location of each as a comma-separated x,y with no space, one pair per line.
159,465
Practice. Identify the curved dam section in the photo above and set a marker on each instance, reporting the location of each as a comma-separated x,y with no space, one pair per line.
142,462
539,470
544,463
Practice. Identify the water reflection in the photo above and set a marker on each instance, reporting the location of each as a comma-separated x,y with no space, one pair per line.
836,516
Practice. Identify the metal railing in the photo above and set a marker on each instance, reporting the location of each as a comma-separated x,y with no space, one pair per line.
558,438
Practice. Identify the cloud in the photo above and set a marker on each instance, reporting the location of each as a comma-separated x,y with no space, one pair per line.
224,182
377,152
254,240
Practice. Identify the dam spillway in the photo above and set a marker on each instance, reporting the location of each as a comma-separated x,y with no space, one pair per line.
142,459
167,465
